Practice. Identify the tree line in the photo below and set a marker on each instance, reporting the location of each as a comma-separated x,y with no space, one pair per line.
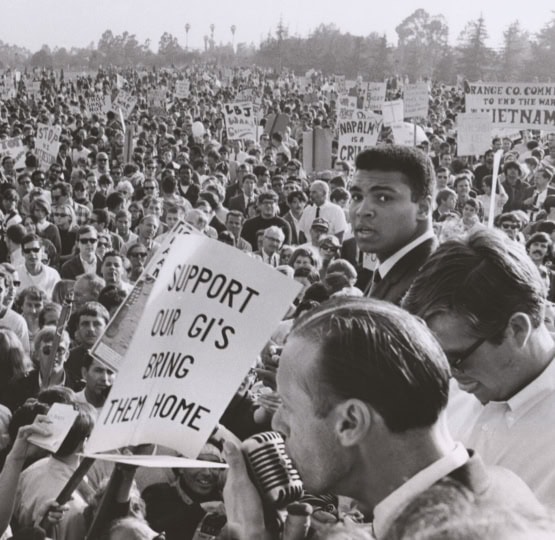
422,51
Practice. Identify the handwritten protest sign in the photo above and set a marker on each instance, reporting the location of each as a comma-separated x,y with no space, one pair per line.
182,89
240,121
47,144
157,101
517,105
403,133
317,149
125,102
392,112
193,346
347,102
62,418
375,95
415,100
99,105
112,345
14,148
473,133
357,130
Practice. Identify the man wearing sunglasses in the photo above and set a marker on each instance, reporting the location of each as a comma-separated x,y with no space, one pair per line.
484,299
86,262
34,272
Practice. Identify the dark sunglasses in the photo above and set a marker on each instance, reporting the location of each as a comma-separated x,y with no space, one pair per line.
141,254
31,250
88,240
47,349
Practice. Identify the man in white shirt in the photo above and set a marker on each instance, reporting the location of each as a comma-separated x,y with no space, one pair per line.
323,208
98,383
363,415
484,299
34,272
113,271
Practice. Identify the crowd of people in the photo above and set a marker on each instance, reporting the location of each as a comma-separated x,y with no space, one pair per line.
412,378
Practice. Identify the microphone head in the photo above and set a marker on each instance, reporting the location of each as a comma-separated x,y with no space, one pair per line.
277,480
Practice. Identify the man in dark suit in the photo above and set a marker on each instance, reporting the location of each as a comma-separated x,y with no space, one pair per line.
351,253
370,394
296,202
535,195
246,196
391,215
86,262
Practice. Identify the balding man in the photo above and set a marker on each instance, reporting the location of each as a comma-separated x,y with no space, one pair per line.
323,208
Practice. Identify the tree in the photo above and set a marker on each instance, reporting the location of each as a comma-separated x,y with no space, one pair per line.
474,56
514,52
169,48
544,53
422,41
42,58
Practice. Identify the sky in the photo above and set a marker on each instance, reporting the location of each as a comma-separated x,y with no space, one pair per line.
68,23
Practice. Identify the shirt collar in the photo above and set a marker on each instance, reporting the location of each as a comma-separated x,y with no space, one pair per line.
390,262
388,509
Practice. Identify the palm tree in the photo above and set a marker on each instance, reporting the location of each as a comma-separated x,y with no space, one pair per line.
233,28
187,28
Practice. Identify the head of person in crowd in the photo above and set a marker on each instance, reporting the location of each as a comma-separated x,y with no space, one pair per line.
185,174
87,241
137,213
137,255
115,202
285,253
543,177
11,286
38,178
40,210
446,200
306,276
104,244
14,362
92,318
329,248
100,219
29,303
98,381
50,314
80,192
64,216
102,163
344,267
318,229
340,197
153,205
113,269
86,289
512,171
472,212
391,198
227,238
30,224
248,185
442,178
319,192
462,186
10,201
487,311
150,187
296,201
273,239
43,342
509,223
234,222
540,248
303,258
197,218
105,184
123,223
148,227
32,251
268,204
24,184
372,379
111,297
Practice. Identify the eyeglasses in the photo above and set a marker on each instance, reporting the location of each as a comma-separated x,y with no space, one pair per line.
456,363
141,254
47,349
103,244
328,248
88,240
508,226
31,250
102,160
59,214
149,188
16,283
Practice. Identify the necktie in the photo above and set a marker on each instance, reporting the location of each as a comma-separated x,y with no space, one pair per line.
376,278
317,211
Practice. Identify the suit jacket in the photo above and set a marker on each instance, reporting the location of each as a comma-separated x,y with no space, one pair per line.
297,237
529,192
74,268
349,253
238,203
396,283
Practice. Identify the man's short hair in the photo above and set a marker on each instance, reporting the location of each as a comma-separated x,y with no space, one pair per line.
31,237
268,196
512,165
297,194
412,162
444,194
484,278
94,309
102,216
112,253
235,213
540,237
378,353
86,229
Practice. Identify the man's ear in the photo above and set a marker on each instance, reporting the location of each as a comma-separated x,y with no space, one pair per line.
424,207
519,329
353,420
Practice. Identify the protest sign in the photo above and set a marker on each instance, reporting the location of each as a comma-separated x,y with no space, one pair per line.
193,346
240,121
374,95
47,144
473,133
61,417
392,112
276,123
182,89
346,102
125,102
340,84
157,101
516,105
99,105
14,148
6,88
357,130
415,100
317,144
34,89
403,133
